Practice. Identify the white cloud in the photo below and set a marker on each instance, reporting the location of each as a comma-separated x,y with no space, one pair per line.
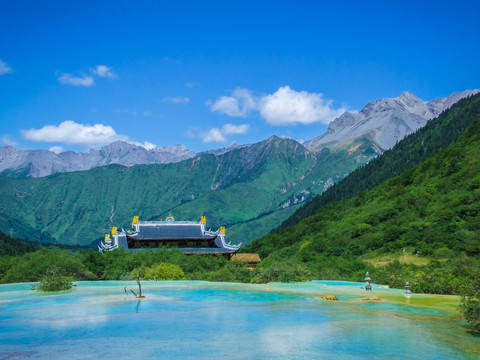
239,104
217,135
147,113
214,136
285,107
103,71
235,129
147,145
289,107
56,149
189,85
175,100
67,79
70,132
4,68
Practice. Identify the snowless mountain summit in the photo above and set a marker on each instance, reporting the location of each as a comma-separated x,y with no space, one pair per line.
38,163
386,121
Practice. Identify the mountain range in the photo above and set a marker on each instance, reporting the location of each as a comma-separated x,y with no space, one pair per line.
379,125
78,207
38,163
250,189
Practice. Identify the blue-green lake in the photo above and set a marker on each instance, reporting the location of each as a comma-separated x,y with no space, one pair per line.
203,320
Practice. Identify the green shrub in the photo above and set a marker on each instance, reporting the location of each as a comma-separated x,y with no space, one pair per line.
164,271
53,280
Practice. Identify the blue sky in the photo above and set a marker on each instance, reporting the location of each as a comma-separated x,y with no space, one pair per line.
81,74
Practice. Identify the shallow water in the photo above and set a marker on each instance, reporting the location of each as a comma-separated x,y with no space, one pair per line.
202,320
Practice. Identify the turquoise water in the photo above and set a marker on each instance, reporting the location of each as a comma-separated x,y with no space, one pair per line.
202,320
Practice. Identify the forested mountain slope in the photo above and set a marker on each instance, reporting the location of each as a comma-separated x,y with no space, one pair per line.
436,135
431,209
255,187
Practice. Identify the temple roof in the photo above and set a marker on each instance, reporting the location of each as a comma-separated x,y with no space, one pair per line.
169,231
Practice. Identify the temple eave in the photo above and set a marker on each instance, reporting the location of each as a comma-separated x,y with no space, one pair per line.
209,250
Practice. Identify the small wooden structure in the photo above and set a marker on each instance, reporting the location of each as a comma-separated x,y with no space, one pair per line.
251,258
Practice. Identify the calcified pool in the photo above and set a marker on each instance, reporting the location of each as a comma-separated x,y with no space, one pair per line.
203,320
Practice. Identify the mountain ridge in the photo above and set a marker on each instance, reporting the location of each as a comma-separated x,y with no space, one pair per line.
380,124
386,121
38,163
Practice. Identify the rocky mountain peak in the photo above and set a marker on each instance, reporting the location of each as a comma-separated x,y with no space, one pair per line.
410,101
177,150
273,138
385,121
8,153
407,96
345,120
119,148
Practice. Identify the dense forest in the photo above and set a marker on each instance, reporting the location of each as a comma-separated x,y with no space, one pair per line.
118,265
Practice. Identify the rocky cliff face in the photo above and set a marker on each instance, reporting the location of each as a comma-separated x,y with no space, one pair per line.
38,163
385,122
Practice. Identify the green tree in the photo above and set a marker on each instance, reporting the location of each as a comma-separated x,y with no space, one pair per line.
470,303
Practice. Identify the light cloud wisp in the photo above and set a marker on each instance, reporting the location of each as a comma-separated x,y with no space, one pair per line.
67,79
214,136
175,100
147,145
4,68
217,135
7,140
99,71
56,149
239,104
103,71
228,129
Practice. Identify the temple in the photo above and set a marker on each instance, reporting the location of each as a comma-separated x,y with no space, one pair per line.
189,236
